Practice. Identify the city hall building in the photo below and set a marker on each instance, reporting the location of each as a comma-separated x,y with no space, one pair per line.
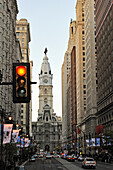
47,131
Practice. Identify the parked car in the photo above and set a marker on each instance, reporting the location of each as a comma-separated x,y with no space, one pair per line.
80,158
36,156
32,159
89,162
57,156
41,156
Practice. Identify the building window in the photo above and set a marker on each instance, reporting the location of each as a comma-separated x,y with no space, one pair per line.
17,34
22,39
84,86
0,20
84,91
22,34
71,30
46,118
22,58
21,111
83,38
83,53
22,44
22,51
0,5
83,58
83,42
22,28
83,48
18,28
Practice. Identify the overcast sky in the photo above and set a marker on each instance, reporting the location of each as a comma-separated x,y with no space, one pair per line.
49,27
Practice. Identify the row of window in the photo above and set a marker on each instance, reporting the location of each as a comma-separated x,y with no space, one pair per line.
105,118
18,28
18,34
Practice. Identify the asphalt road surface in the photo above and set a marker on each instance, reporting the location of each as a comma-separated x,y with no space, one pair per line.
45,164
61,164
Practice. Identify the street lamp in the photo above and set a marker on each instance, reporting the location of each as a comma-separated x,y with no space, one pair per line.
10,118
17,125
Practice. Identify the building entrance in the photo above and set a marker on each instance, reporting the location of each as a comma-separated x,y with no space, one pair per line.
47,148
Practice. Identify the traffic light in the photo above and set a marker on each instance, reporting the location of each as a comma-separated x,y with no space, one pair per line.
21,83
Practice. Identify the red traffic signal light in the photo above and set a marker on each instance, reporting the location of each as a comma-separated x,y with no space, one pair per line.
21,70
21,82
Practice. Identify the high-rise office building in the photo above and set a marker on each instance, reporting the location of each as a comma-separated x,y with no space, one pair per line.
23,36
91,68
65,77
104,40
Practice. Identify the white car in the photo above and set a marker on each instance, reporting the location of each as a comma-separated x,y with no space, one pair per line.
89,162
80,158
48,156
32,159
36,156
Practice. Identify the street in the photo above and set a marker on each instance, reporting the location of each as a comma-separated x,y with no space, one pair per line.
45,164
61,164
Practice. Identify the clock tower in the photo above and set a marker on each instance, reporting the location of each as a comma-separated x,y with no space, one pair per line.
45,86
47,131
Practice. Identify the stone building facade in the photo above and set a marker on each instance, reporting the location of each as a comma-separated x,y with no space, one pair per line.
104,38
91,69
47,131
24,38
10,53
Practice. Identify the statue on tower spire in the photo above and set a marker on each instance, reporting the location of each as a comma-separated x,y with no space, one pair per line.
45,51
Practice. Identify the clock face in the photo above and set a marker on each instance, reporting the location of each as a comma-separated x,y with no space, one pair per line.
45,80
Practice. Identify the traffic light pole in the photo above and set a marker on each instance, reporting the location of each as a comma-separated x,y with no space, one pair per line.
11,83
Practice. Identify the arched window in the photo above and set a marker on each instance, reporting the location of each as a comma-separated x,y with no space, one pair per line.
46,118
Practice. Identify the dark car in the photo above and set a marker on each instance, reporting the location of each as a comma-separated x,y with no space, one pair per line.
70,158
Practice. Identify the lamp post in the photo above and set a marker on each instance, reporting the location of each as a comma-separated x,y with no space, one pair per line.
1,136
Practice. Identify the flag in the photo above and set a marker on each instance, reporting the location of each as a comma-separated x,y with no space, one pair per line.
87,142
7,133
78,131
27,142
18,141
22,142
15,136
74,133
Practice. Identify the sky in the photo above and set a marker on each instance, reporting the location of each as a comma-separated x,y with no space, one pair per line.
49,28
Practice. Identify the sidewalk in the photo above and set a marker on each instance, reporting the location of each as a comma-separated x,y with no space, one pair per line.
67,164
106,163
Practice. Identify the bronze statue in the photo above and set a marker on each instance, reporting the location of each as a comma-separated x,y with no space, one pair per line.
45,51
